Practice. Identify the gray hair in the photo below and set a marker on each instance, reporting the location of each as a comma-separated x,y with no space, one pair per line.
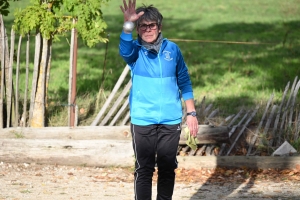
150,14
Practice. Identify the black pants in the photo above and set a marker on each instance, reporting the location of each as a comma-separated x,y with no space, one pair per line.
149,142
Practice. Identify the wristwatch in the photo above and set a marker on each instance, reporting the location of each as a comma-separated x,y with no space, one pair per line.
193,113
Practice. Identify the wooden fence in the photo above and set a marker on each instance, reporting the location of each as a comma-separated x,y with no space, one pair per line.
279,123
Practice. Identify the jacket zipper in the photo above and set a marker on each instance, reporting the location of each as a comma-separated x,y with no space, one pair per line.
160,68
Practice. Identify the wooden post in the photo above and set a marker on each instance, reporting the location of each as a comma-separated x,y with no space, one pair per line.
2,72
72,78
9,87
17,84
37,55
24,115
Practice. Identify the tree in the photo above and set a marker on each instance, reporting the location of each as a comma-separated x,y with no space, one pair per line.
50,19
4,5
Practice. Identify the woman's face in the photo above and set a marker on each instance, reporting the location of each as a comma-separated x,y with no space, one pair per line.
148,31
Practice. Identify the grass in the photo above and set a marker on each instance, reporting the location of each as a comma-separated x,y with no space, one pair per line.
230,75
18,135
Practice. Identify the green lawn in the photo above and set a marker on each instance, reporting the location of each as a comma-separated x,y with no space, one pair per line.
230,75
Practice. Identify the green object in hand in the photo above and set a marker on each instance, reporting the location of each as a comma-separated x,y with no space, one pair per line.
190,140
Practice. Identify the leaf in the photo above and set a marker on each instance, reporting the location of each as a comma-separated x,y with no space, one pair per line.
228,172
297,168
4,12
55,18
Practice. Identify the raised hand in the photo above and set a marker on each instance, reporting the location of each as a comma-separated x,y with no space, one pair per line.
129,11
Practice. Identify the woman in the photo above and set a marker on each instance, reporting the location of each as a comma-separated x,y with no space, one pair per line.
159,80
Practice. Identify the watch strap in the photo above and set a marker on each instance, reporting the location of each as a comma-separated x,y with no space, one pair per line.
193,113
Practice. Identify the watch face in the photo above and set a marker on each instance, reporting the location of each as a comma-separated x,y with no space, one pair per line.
193,113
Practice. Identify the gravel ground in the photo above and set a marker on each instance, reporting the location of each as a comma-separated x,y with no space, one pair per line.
34,181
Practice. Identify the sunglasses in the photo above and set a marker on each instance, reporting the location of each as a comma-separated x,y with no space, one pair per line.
152,26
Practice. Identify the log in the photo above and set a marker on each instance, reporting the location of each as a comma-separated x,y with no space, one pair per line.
76,133
206,134
102,153
252,162
117,153
209,135
93,146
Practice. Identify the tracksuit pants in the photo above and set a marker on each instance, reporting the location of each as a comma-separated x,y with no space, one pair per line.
155,144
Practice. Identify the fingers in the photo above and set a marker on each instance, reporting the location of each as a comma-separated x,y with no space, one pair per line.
194,131
125,4
192,123
140,13
129,9
131,6
122,9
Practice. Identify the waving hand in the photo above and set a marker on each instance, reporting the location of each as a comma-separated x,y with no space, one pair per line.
129,11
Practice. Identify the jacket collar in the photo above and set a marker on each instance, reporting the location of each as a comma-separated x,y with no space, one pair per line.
152,47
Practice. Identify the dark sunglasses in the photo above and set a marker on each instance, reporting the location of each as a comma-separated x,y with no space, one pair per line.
152,26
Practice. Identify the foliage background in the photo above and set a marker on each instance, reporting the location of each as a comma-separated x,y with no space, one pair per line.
230,75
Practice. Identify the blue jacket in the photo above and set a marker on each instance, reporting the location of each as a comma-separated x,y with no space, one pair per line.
159,80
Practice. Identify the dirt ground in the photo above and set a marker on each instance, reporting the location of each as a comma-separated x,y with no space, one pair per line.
34,181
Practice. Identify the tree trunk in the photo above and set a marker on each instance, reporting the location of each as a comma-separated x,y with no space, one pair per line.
2,52
48,68
17,84
72,77
37,55
24,115
38,114
9,82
